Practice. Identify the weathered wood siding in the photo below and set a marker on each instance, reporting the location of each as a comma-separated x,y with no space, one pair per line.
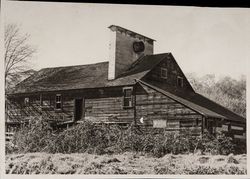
108,109
236,130
106,105
173,71
40,106
154,106
99,104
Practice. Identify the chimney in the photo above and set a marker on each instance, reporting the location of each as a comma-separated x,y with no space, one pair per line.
125,47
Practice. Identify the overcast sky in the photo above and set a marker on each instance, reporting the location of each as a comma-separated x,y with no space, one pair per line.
202,40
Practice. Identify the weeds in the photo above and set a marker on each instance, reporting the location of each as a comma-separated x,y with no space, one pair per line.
107,139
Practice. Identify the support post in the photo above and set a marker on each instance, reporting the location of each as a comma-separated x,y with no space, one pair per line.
202,124
134,91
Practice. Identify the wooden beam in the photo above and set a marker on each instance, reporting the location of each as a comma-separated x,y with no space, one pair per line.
202,125
134,103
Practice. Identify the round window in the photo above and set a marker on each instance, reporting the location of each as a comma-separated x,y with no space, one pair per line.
138,47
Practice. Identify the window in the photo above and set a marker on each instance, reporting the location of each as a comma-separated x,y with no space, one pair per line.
45,102
127,98
58,101
164,73
179,81
224,127
26,101
159,123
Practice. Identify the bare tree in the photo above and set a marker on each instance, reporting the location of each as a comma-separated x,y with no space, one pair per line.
18,53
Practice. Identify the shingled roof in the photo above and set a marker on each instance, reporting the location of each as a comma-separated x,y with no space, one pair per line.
85,76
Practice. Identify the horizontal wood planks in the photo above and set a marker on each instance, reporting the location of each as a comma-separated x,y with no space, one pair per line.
108,109
173,71
153,105
107,106
37,108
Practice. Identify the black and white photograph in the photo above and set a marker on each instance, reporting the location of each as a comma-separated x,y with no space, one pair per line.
96,89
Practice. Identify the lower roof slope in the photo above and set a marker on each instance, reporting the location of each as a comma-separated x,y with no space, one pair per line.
197,102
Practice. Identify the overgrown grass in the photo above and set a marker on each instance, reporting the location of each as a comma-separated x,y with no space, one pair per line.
107,139
125,163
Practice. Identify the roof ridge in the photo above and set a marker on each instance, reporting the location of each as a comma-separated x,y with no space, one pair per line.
131,31
140,60
141,57
136,62
165,53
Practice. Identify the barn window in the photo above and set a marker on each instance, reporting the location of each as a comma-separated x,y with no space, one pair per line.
179,81
164,73
26,101
127,97
46,102
160,123
58,101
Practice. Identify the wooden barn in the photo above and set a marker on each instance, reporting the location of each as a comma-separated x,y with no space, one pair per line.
134,86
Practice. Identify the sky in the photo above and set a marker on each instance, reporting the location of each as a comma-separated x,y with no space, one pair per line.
202,40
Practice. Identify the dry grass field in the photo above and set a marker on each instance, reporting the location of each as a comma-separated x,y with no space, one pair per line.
126,163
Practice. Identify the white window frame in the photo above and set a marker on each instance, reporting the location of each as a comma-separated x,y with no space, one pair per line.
165,70
58,101
125,98
179,77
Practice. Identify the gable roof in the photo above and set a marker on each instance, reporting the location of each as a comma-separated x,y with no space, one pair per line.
85,76
196,101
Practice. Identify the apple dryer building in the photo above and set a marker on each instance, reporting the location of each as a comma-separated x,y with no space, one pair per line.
134,86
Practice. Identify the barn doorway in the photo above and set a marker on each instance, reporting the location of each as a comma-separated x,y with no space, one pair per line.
210,125
79,112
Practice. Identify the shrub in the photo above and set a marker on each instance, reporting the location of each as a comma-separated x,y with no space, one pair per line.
85,137
239,147
226,145
34,137
10,148
107,139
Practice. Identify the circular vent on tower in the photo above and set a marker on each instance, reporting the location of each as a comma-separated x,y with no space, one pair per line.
138,47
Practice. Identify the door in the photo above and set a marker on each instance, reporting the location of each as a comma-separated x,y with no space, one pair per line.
79,112
210,125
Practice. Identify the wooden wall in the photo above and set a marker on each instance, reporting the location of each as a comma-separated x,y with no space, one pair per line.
106,105
173,71
233,129
153,106
108,110
17,110
100,104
